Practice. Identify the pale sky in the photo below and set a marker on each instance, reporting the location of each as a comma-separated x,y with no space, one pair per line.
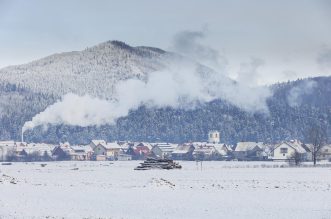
257,41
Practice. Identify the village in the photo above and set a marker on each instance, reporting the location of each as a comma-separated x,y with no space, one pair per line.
213,149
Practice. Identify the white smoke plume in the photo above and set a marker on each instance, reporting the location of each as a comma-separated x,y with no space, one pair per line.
296,93
182,84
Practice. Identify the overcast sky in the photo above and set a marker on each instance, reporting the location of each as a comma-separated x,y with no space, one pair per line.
256,41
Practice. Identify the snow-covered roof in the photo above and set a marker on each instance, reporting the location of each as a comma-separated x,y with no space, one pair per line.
96,142
247,146
295,144
199,143
222,149
166,147
326,149
124,145
85,148
182,149
205,149
149,145
112,145
36,148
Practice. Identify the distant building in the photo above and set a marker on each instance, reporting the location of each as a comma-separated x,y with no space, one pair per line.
124,157
95,143
163,150
286,149
325,153
183,152
204,151
214,137
81,152
250,151
224,151
110,150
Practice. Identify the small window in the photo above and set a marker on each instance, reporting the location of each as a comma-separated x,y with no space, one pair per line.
283,150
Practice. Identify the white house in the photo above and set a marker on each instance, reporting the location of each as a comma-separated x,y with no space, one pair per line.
285,150
109,150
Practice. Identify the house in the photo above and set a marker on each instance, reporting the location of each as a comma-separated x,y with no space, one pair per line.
204,151
124,145
284,150
95,143
183,152
140,152
225,151
325,153
250,151
81,152
40,149
109,150
62,151
163,150
148,145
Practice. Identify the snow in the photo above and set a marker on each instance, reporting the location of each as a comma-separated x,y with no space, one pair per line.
102,66
115,190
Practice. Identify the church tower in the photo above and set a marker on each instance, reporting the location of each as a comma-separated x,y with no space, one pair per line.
214,137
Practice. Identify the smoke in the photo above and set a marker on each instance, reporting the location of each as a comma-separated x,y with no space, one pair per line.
189,43
295,96
77,111
183,83
249,71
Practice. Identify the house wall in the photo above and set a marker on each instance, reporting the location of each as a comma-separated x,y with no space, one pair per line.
240,155
325,153
112,153
100,158
99,150
277,155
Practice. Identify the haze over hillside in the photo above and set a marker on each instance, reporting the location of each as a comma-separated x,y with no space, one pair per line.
161,96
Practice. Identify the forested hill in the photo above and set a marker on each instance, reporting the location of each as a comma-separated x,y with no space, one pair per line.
28,89
286,120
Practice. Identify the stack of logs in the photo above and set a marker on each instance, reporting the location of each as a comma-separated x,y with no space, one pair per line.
153,163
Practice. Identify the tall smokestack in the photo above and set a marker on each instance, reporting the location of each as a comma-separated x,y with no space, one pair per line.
22,135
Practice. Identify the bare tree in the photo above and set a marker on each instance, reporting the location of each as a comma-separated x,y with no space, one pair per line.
295,158
317,137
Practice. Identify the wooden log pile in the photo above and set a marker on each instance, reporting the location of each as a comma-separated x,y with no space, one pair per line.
153,163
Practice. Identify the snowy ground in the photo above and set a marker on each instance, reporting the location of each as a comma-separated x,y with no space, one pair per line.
220,190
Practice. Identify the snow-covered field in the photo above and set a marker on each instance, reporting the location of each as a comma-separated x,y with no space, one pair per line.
219,190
